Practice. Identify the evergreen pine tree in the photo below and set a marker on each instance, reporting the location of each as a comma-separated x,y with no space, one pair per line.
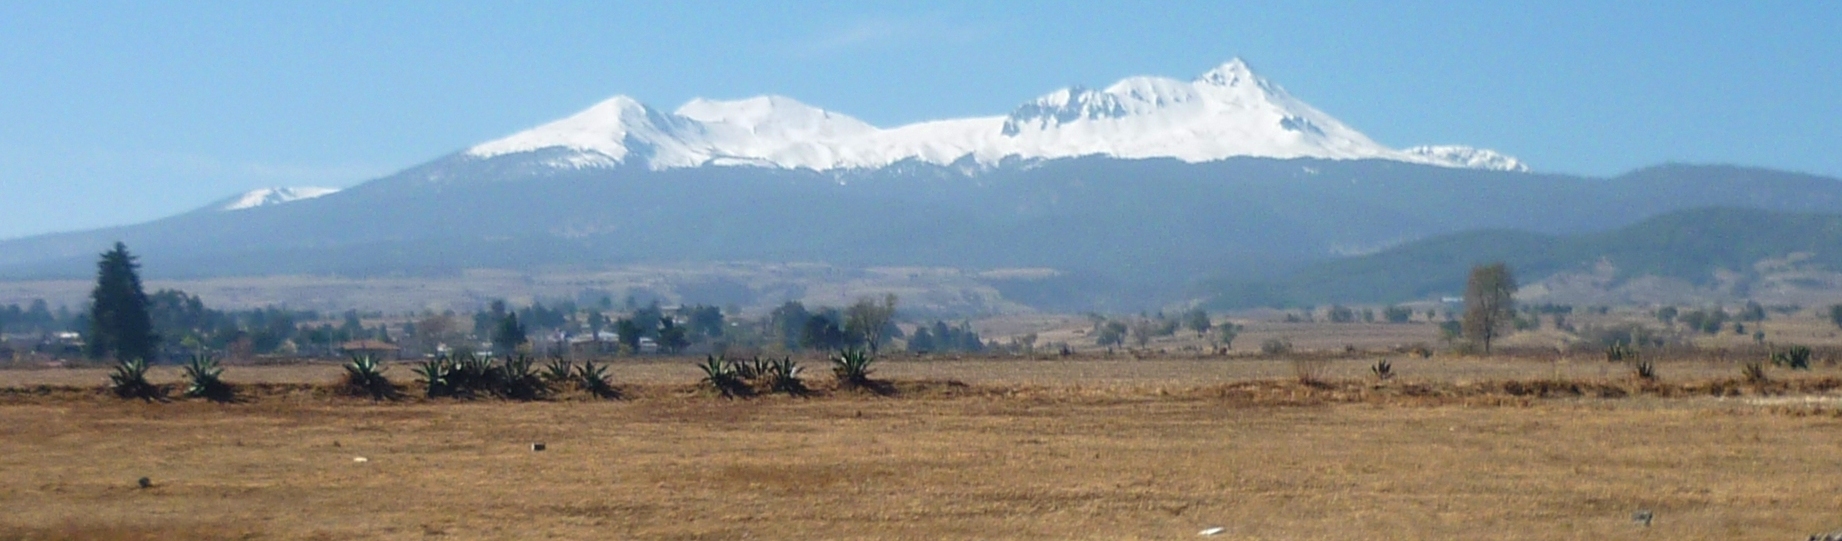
508,335
119,320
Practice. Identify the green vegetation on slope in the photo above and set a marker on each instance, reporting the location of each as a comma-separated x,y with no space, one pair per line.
1689,245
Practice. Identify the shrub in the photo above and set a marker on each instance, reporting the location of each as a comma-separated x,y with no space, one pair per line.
204,379
1451,331
364,376
1276,346
852,367
1309,371
1383,370
129,380
1794,357
1753,370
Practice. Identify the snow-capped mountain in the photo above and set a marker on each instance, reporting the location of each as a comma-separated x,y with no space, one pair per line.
1226,112
1249,182
272,196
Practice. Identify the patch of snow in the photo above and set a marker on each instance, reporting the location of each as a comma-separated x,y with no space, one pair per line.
1226,112
1475,158
274,196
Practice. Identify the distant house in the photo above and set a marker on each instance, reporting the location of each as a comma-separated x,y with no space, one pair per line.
64,344
375,348
597,343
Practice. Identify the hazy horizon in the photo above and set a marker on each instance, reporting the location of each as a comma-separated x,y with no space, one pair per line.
121,114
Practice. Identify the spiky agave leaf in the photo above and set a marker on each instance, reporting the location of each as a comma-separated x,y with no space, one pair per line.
593,379
852,367
434,375
129,380
473,375
364,376
735,367
763,367
1644,368
1794,357
783,376
715,368
204,379
518,379
558,371
721,376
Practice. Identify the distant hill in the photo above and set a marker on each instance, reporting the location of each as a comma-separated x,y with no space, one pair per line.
1693,246
1122,234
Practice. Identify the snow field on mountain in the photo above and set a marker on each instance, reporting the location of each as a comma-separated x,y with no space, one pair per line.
1224,113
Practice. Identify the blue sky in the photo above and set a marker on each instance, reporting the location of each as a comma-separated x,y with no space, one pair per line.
115,113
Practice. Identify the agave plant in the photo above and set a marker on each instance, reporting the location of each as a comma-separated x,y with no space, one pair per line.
558,371
473,375
518,379
204,379
757,368
364,376
435,375
129,380
852,367
721,376
1794,357
753,369
783,376
1644,368
1383,370
1753,370
1620,352
739,368
593,379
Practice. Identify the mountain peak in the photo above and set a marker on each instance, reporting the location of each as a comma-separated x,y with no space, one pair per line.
1229,73
598,133
764,115
1225,112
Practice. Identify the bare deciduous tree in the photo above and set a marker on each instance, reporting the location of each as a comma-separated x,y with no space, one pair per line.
868,319
1490,304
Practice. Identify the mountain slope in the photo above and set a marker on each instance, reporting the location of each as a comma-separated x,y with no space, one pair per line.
1695,247
1122,233
269,196
1224,113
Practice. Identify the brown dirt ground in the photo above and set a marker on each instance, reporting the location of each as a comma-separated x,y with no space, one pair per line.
1081,449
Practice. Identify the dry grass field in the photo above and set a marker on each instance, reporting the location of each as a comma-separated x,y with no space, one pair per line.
1090,448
